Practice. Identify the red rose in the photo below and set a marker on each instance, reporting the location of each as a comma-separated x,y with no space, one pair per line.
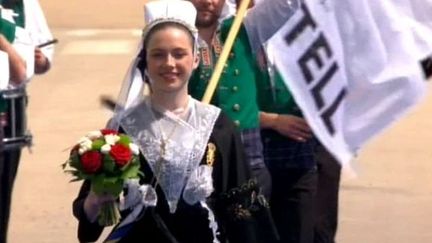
108,131
121,154
91,161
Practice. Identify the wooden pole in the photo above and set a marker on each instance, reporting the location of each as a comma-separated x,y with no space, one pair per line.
211,87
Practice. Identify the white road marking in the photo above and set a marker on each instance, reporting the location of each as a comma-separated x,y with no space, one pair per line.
96,32
99,47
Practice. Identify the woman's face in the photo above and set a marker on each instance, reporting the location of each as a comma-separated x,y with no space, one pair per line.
170,59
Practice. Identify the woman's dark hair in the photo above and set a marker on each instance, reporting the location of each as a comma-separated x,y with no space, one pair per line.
142,64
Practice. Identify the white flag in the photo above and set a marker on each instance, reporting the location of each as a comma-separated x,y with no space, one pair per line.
353,66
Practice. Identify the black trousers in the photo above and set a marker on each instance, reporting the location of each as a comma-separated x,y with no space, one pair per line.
292,203
294,178
9,161
326,215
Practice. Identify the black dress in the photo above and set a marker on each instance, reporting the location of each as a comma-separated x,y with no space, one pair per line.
240,212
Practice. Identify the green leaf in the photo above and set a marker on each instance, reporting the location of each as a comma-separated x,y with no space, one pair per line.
97,144
69,171
110,180
108,163
132,171
134,161
141,174
113,186
102,184
124,140
74,161
75,180
64,165
97,185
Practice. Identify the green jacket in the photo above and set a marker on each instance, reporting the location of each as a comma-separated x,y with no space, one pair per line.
236,93
276,97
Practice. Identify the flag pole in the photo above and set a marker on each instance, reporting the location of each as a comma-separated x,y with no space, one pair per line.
211,87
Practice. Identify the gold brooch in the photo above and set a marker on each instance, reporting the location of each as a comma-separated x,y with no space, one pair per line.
211,149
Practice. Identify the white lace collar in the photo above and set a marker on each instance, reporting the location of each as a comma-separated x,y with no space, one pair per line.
185,146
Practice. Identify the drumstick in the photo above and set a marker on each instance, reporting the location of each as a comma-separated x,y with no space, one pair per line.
53,41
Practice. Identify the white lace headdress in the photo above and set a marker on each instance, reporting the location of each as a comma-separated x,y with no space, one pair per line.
155,13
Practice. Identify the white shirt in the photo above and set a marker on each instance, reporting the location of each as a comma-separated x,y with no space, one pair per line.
36,25
36,32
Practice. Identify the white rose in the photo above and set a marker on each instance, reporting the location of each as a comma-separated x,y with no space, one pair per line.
83,140
85,143
106,148
111,139
134,148
94,134
82,150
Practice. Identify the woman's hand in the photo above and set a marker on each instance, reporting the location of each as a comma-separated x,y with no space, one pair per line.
93,204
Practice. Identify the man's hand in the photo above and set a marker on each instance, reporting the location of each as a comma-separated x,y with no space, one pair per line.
41,62
290,126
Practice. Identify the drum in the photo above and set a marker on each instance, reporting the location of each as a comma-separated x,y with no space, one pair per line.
14,120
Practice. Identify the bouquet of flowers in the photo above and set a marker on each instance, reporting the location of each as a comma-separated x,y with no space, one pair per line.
107,159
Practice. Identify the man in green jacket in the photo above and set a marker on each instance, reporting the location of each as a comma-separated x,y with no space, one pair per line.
236,91
305,176
289,149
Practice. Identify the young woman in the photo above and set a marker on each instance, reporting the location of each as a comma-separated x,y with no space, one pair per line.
196,186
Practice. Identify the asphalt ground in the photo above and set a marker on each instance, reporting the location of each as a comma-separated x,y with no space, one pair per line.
389,200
